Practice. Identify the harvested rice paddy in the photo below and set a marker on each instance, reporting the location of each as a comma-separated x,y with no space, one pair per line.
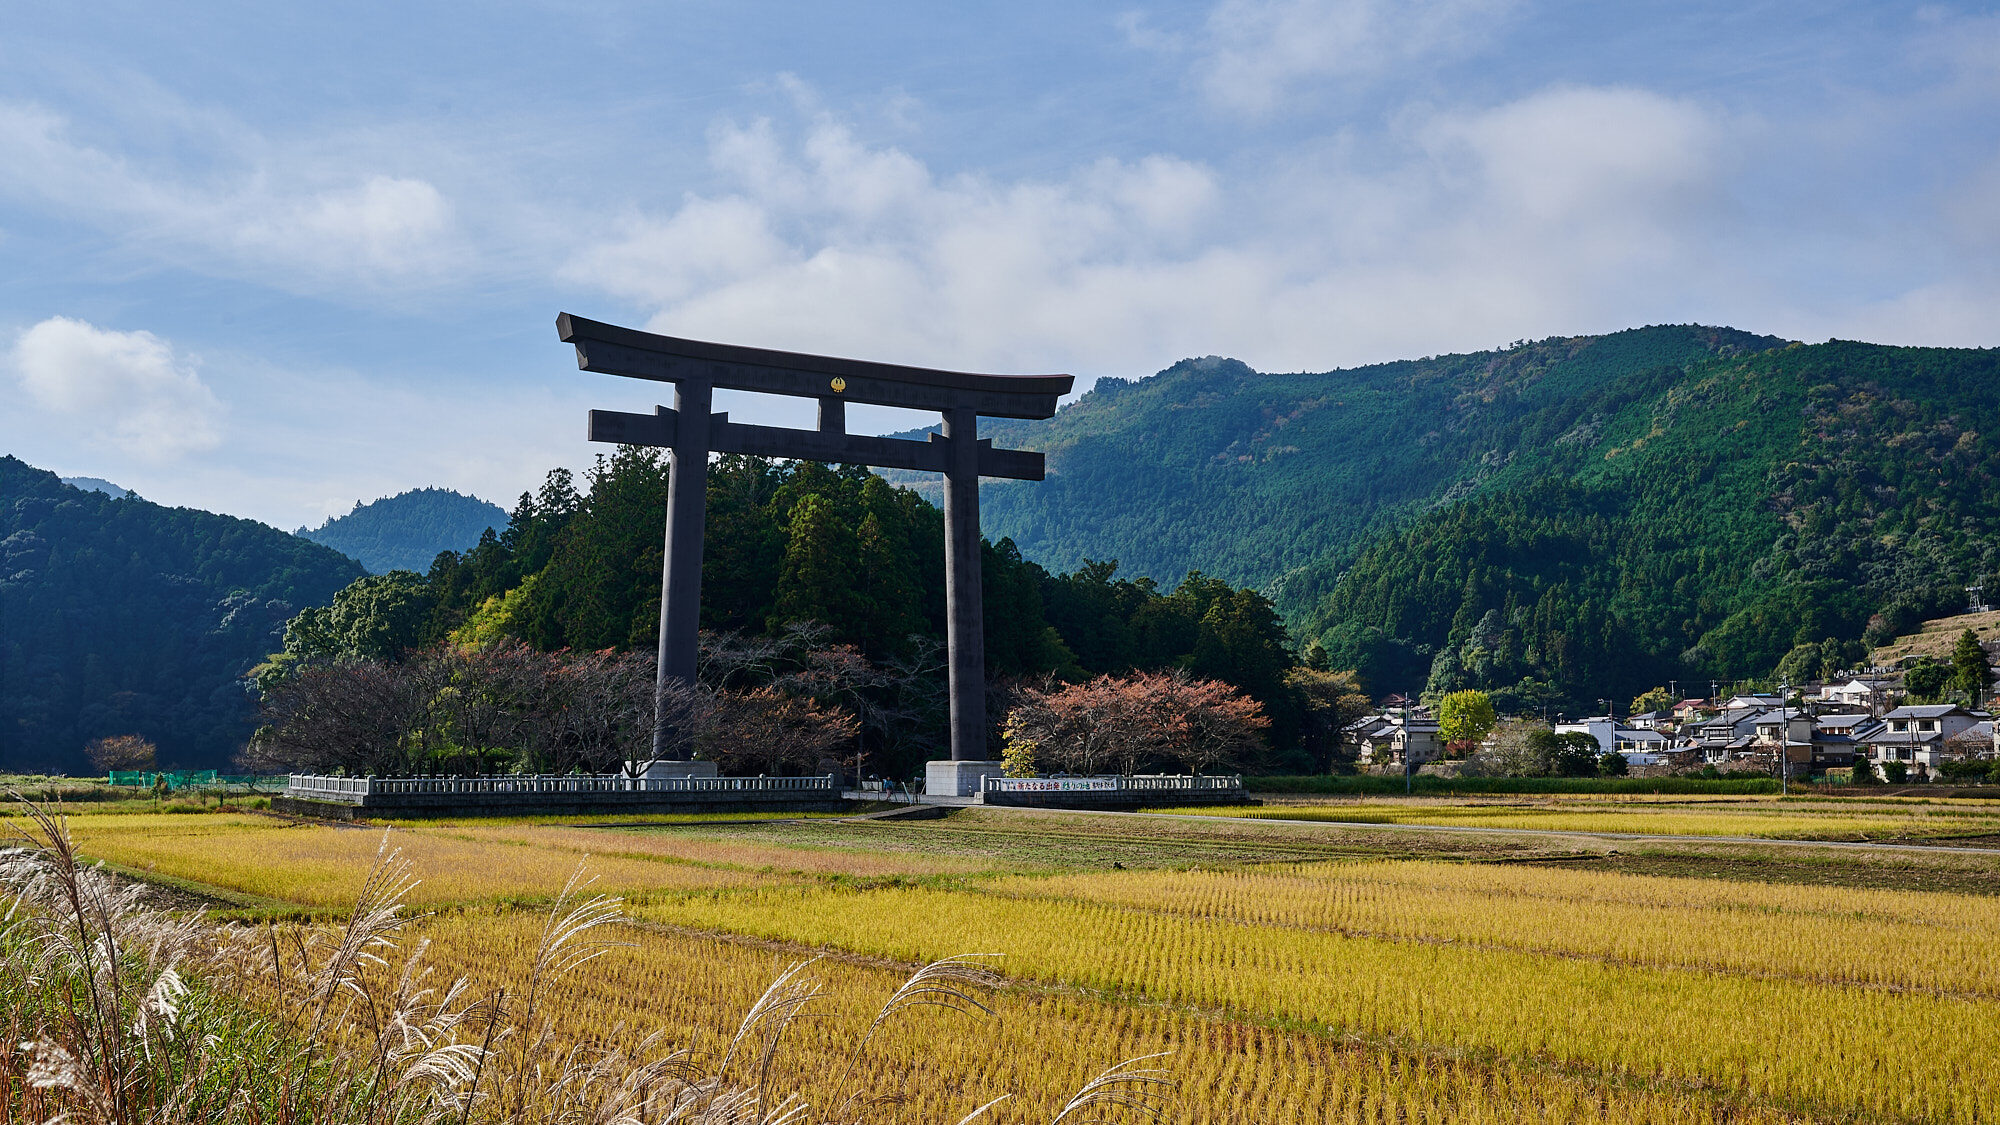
1297,972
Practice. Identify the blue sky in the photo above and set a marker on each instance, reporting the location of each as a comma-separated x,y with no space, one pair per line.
270,260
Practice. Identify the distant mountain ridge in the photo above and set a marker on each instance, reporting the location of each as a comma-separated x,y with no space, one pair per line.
121,616
1266,479
97,484
1562,521
408,530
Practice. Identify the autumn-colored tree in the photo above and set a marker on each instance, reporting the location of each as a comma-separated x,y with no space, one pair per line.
1215,724
1136,721
122,752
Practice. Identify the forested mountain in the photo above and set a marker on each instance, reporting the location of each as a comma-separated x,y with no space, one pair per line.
1560,521
406,531
120,616
1274,480
789,545
1753,505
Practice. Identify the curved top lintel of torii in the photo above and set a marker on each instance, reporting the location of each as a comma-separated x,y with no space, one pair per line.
614,350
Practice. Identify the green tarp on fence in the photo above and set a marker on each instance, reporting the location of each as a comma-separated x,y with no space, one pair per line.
196,779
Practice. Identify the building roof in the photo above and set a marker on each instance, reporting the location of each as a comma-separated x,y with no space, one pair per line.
1927,711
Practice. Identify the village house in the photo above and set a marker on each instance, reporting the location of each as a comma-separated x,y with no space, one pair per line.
1975,741
1808,745
1728,735
1917,735
1689,710
1385,740
1651,720
1859,693
1614,737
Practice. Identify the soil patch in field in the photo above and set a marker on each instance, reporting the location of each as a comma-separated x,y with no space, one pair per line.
1974,875
1039,841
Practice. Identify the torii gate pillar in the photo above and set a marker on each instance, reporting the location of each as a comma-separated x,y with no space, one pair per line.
692,431
687,518
965,629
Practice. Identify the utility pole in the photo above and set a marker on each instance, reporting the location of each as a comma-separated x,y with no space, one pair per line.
1784,742
1409,748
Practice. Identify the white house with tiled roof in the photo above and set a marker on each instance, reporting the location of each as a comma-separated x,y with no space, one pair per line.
1915,735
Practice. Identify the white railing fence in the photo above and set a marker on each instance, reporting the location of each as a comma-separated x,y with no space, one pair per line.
354,789
1140,783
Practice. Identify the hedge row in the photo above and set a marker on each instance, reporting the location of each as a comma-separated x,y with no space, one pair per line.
1363,784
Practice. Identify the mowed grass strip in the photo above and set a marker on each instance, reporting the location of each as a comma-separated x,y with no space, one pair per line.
1827,1048
1845,936
1792,822
322,867
1041,1046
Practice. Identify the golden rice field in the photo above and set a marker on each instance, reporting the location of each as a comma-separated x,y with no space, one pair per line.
1045,1043
1368,990
1773,820
322,866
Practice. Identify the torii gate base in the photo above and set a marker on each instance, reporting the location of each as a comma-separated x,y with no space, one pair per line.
959,779
692,431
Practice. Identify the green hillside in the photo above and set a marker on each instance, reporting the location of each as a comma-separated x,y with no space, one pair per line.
1567,519
1272,480
1757,504
406,531
120,616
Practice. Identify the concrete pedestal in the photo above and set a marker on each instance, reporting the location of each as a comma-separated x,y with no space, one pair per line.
662,769
958,779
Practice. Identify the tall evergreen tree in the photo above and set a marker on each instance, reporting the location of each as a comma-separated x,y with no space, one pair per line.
1971,673
819,578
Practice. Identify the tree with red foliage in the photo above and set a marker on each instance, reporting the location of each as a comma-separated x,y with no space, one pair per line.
1131,722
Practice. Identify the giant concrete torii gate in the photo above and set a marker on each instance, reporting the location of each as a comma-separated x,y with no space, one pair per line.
692,432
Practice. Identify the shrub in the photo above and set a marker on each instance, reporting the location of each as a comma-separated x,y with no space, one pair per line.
1897,773
1388,786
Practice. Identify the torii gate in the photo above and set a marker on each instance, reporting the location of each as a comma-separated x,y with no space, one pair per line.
692,432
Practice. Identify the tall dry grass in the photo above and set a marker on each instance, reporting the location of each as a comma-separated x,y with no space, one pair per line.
130,1014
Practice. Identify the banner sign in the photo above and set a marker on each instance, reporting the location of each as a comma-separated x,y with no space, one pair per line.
1055,784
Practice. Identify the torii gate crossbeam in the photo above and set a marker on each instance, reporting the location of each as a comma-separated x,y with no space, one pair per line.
691,431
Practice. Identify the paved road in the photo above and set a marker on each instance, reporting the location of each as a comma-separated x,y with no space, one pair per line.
1553,833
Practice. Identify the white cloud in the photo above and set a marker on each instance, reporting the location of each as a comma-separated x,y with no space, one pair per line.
129,390
1580,151
1254,52
305,223
1568,210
